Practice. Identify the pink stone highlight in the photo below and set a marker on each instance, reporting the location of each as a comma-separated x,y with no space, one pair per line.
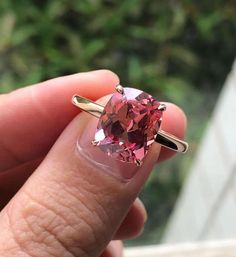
128,125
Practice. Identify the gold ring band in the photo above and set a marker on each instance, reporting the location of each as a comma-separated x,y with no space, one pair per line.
163,138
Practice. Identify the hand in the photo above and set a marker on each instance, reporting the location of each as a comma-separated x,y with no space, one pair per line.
69,206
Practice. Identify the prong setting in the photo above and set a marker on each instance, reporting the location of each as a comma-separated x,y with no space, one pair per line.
121,112
94,142
162,107
138,162
120,89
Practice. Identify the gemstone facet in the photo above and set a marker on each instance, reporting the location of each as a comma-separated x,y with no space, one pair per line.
128,125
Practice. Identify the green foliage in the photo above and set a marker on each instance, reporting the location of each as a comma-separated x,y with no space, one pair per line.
145,41
178,50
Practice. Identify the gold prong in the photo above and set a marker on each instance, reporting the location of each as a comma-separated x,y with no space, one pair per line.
138,162
120,89
94,142
162,107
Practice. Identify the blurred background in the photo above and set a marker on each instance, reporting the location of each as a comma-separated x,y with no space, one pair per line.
180,51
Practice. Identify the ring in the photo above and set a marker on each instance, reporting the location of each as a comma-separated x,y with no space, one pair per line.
128,124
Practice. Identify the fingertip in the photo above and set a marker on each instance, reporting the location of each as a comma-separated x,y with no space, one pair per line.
105,80
141,208
110,76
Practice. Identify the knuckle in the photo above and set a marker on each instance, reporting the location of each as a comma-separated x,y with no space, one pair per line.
41,231
87,204
66,221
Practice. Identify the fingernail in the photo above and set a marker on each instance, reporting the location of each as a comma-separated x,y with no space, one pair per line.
94,155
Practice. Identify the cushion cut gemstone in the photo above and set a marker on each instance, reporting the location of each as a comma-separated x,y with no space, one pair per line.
128,125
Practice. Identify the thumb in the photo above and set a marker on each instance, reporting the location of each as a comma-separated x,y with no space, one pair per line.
76,199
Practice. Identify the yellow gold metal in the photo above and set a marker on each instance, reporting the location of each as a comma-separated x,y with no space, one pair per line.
120,89
94,142
162,107
138,162
87,105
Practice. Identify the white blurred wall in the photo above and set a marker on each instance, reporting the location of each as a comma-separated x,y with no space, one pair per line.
206,208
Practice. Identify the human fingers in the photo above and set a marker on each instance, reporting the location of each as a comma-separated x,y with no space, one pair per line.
13,179
133,223
10,183
76,199
131,226
114,249
33,117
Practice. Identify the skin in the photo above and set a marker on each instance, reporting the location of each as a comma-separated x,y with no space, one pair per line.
54,201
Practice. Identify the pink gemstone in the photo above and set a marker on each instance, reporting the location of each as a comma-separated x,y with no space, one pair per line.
128,125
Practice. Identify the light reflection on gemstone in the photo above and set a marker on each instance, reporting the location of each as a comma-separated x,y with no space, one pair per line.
128,125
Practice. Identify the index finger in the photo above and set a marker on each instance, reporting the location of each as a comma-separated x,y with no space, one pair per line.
32,118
